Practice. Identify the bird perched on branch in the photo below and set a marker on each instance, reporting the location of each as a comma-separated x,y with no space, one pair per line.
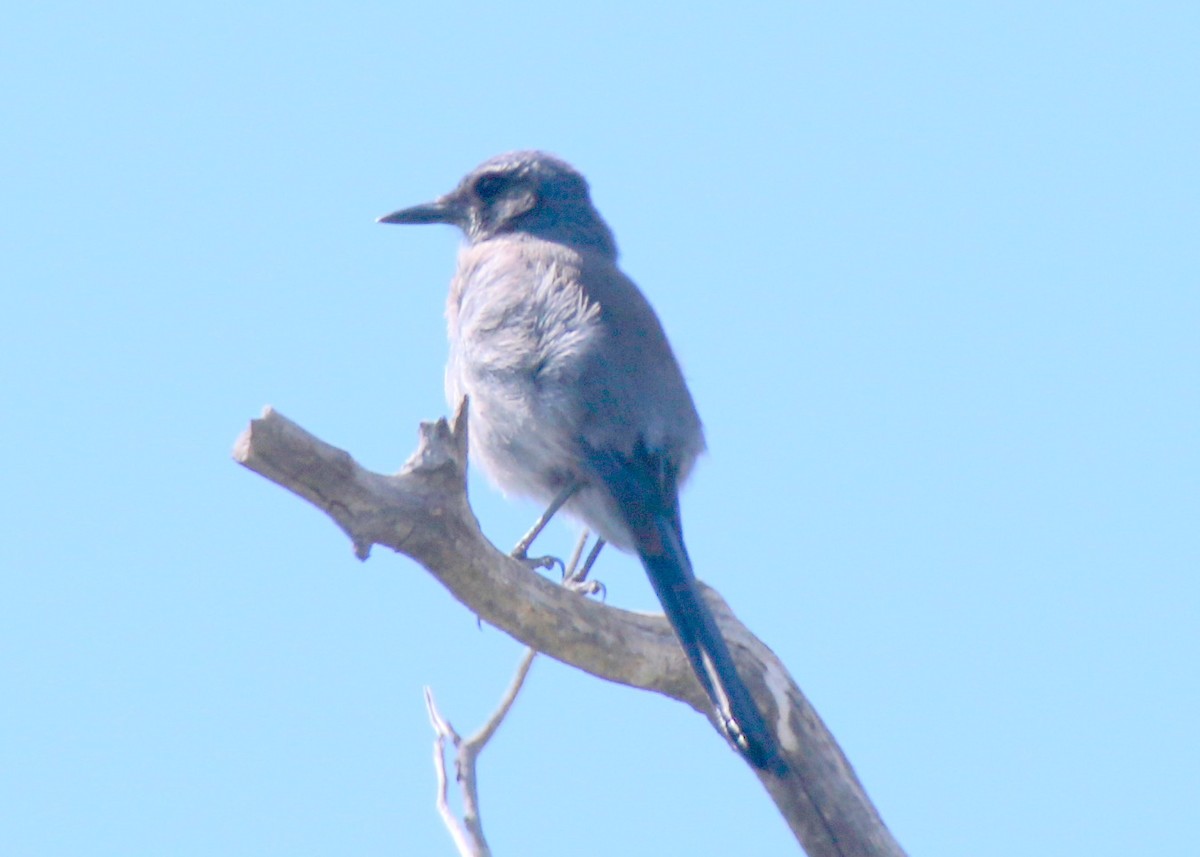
575,397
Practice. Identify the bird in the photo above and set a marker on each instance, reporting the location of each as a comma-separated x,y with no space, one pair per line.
575,398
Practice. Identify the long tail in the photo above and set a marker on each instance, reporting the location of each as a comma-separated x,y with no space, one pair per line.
670,570
644,489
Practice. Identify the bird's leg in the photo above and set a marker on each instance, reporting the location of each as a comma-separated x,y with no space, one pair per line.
575,577
576,555
521,551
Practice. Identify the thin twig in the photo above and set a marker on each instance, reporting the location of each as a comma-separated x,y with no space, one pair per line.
477,741
465,840
468,833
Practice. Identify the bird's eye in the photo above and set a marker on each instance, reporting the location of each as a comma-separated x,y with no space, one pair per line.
490,186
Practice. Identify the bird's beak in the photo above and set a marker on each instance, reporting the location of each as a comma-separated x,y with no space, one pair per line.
443,210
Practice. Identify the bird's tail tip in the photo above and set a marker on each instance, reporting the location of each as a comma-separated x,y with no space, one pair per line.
761,751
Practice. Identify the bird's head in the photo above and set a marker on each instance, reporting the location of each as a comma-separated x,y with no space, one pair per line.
518,192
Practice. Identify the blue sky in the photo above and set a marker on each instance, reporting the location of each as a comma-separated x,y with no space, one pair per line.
932,271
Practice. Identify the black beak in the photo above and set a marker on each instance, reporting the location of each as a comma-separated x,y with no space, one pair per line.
439,211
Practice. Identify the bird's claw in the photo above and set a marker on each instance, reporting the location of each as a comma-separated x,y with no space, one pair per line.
586,587
537,563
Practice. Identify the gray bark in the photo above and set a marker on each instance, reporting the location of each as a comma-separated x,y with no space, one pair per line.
422,512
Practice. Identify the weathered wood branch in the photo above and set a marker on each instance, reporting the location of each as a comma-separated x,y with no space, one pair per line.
422,512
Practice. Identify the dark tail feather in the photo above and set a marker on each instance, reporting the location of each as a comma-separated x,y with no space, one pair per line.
671,575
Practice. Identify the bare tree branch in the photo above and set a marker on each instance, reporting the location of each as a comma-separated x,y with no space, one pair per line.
485,733
468,834
422,512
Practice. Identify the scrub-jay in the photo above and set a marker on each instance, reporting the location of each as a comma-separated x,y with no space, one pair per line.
575,397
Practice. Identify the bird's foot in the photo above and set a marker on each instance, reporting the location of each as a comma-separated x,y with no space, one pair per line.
575,577
538,563
586,587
